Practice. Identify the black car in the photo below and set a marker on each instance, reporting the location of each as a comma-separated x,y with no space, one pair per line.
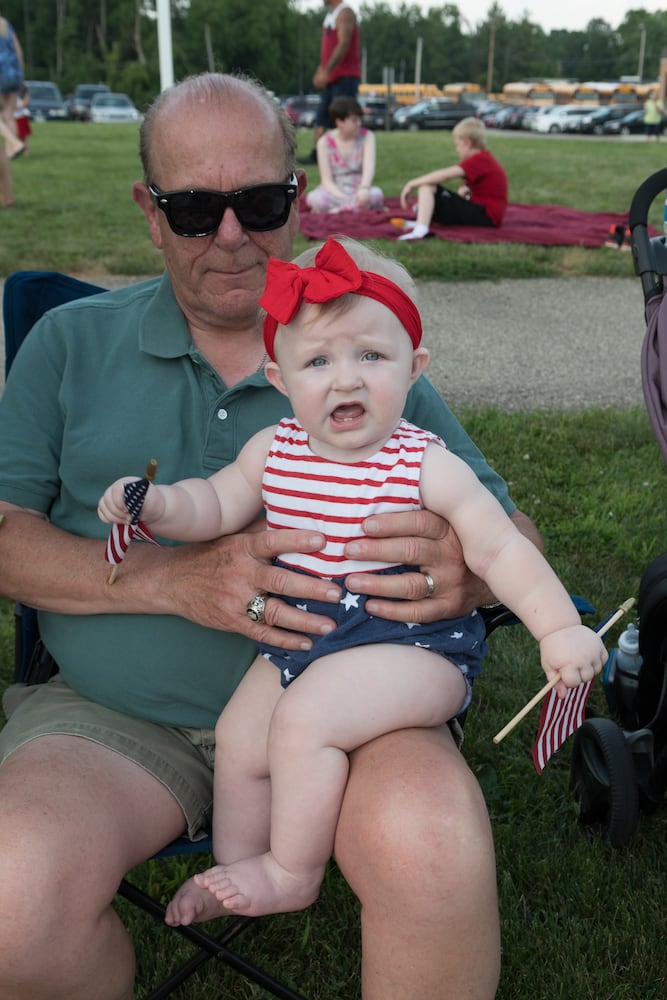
302,109
631,124
377,111
78,106
595,121
46,102
434,112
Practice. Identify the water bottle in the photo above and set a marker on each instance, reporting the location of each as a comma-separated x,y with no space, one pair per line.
627,666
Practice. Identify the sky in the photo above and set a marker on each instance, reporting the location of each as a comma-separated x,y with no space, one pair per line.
572,15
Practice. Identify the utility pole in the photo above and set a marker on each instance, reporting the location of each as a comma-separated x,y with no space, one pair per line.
492,50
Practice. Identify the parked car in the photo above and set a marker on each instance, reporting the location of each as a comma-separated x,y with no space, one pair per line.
499,117
515,116
46,101
108,108
302,109
595,121
630,124
376,111
563,118
78,106
434,112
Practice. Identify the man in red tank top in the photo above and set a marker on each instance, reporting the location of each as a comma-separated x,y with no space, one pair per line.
339,71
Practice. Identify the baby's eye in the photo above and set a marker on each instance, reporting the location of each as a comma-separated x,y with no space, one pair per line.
371,356
318,362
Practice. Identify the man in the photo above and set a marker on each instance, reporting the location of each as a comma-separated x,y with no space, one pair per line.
112,761
339,70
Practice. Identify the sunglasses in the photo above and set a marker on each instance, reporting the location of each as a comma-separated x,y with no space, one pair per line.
260,208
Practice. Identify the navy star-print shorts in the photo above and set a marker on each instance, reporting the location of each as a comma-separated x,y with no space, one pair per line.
460,640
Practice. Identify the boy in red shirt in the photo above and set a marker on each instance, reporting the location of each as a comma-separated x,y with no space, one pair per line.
481,199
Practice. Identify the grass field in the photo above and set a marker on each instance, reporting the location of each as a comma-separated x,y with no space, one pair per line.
75,211
580,920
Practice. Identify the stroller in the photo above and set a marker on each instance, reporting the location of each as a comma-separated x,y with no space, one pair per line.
618,770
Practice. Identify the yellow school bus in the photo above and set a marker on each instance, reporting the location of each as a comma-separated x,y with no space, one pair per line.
529,92
464,92
403,93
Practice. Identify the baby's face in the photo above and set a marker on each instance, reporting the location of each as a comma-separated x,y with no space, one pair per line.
347,375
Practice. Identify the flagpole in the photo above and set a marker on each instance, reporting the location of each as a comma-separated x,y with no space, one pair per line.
149,474
601,630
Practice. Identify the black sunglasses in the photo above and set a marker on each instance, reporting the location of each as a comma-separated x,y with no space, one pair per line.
260,208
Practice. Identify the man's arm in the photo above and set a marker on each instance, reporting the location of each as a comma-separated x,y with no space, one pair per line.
208,583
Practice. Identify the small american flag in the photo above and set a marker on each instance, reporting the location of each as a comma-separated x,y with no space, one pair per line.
121,535
559,719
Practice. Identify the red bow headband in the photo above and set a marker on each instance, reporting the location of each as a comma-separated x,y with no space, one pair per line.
335,273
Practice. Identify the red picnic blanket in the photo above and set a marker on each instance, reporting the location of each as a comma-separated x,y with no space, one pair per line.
544,225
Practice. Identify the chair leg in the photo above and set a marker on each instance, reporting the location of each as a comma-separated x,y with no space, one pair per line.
210,947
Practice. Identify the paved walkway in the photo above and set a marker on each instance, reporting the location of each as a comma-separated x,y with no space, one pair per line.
530,344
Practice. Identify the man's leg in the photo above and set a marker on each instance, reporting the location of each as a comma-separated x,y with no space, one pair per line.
415,844
75,818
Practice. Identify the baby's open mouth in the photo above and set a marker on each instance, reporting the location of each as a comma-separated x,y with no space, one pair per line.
347,413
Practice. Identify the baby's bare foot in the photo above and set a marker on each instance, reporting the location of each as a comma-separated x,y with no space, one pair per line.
260,885
192,904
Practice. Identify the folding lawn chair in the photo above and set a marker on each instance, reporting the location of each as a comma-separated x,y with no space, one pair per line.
27,295
619,769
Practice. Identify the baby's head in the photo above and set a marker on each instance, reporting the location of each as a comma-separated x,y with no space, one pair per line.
331,278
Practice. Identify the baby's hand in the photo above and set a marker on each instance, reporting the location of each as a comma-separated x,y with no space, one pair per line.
112,509
575,653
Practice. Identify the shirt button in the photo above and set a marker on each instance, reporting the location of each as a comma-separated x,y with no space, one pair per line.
222,414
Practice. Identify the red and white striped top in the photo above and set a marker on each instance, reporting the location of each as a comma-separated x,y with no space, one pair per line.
302,490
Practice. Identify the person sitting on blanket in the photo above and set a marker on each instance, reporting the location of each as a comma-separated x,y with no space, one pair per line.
481,199
346,161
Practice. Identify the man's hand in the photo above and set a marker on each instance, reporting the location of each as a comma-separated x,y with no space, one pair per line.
423,539
211,583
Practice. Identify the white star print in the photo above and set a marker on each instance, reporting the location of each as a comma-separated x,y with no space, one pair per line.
302,607
350,601
287,675
456,635
423,645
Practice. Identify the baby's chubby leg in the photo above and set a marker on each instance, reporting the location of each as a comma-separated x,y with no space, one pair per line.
339,703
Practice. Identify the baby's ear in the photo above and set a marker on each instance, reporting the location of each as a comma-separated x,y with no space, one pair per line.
274,376
420,358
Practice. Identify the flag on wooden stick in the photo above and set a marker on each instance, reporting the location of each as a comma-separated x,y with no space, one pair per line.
121,535
562,716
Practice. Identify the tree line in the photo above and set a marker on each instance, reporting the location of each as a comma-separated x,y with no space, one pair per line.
90,41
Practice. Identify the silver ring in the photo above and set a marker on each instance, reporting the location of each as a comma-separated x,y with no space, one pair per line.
430,584
255,608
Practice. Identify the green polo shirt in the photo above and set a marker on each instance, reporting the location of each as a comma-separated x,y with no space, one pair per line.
100,386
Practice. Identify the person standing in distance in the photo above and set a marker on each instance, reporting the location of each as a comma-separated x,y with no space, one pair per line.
339,70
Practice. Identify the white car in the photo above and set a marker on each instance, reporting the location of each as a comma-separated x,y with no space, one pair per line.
113,108
563,118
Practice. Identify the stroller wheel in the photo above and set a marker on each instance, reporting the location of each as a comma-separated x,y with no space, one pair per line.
604,782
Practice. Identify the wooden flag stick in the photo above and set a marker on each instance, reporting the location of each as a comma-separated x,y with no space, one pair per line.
601,630
149,474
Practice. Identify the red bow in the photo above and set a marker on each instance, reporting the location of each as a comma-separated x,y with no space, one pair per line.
287,285
335,273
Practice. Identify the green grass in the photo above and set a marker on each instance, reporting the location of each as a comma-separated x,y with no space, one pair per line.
580,921
75,211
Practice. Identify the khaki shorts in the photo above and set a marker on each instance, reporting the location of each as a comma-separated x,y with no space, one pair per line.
181,759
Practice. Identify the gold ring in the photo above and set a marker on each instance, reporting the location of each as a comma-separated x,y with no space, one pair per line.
430,584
